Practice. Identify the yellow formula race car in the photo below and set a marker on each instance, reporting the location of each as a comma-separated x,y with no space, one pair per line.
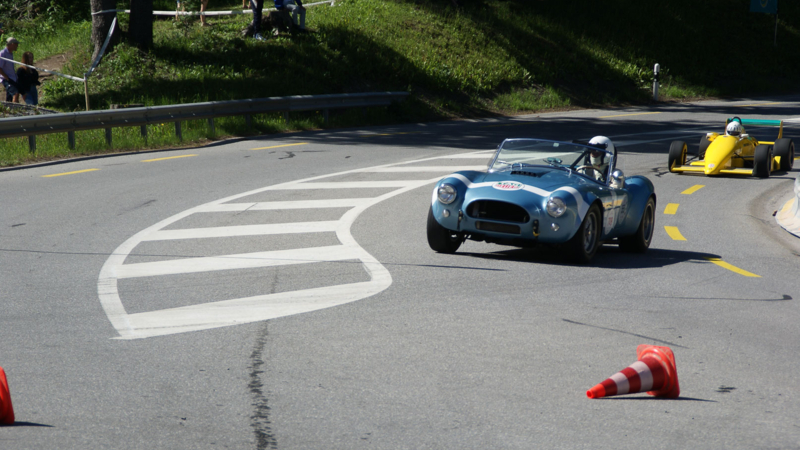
735,152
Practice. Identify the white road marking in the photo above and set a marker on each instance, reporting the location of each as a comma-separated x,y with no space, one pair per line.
240,261
268,306
244,230
351,185
296,204
444,169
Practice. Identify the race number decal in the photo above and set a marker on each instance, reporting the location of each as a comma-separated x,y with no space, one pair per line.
508,185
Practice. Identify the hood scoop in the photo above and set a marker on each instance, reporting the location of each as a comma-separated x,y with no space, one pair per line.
529,173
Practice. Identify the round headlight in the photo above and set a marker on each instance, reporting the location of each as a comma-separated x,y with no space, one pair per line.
446,193
556,207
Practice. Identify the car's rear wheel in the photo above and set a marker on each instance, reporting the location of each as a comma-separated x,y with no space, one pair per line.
701,151
677,154
639,242
440,239
785,149
762,161
584,244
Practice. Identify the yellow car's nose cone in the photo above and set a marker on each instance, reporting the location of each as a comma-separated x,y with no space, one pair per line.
718,153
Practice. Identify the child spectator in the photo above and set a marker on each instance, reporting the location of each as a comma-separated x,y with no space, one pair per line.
27,80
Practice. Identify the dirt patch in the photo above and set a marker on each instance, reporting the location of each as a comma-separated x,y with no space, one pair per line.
53,63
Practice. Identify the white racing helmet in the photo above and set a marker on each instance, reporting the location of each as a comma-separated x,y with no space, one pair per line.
602,142
734,128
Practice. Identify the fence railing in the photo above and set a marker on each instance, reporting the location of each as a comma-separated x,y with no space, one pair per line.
69,123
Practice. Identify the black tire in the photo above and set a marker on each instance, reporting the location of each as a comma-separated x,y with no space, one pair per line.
440,239
584,244
640,241
785,149
762,161
701,150
677,154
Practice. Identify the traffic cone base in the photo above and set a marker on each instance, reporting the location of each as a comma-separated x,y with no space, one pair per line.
654,372
6,410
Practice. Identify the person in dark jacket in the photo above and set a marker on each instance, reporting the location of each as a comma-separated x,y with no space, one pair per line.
295,7
27,80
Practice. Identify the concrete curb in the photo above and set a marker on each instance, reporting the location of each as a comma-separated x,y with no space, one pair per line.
789,216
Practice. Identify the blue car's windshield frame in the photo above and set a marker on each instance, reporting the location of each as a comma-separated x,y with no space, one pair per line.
514,154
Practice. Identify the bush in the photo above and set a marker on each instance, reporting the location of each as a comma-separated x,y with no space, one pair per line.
54,10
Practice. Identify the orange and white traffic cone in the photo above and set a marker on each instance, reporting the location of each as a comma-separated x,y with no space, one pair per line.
654,372
6,410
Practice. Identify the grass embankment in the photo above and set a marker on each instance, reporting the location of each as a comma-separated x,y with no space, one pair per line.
486,57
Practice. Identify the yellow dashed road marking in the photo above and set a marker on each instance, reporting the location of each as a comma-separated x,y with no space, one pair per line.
693,189
732,268
168,157
759,104
674,233
279,146
68,173
634,114
671,208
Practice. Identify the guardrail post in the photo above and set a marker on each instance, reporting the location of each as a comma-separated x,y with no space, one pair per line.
326,116
71,140
108,136
143,130
286,117
248,121
178,130
211,126
32,143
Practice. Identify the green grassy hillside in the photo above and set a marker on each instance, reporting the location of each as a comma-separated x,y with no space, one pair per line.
484,57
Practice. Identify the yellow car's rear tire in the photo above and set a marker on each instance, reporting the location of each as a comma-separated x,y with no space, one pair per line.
677,154
701,151
785,149
762,161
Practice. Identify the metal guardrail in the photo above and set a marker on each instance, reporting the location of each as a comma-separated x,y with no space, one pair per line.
32,126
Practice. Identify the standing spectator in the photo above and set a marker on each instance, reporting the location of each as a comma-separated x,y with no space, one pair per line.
257,6
295,7
7,74
27,80
178,7
203,6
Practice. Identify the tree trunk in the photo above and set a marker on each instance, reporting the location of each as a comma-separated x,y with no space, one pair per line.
101,24
140,31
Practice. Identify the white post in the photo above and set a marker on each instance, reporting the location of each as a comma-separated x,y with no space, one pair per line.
656,69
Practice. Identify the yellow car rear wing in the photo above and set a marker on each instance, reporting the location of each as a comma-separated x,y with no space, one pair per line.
760,123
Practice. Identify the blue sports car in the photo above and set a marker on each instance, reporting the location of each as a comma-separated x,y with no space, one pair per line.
538,191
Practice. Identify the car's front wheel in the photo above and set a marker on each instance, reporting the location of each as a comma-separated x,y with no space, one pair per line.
584,244
762,161
440,239
677,154
639,242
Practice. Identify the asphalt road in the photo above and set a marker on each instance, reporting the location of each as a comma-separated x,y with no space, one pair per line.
279,293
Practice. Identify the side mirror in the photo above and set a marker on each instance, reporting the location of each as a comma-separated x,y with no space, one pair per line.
617,179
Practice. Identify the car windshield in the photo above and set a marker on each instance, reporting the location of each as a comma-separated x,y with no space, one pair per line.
515,154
